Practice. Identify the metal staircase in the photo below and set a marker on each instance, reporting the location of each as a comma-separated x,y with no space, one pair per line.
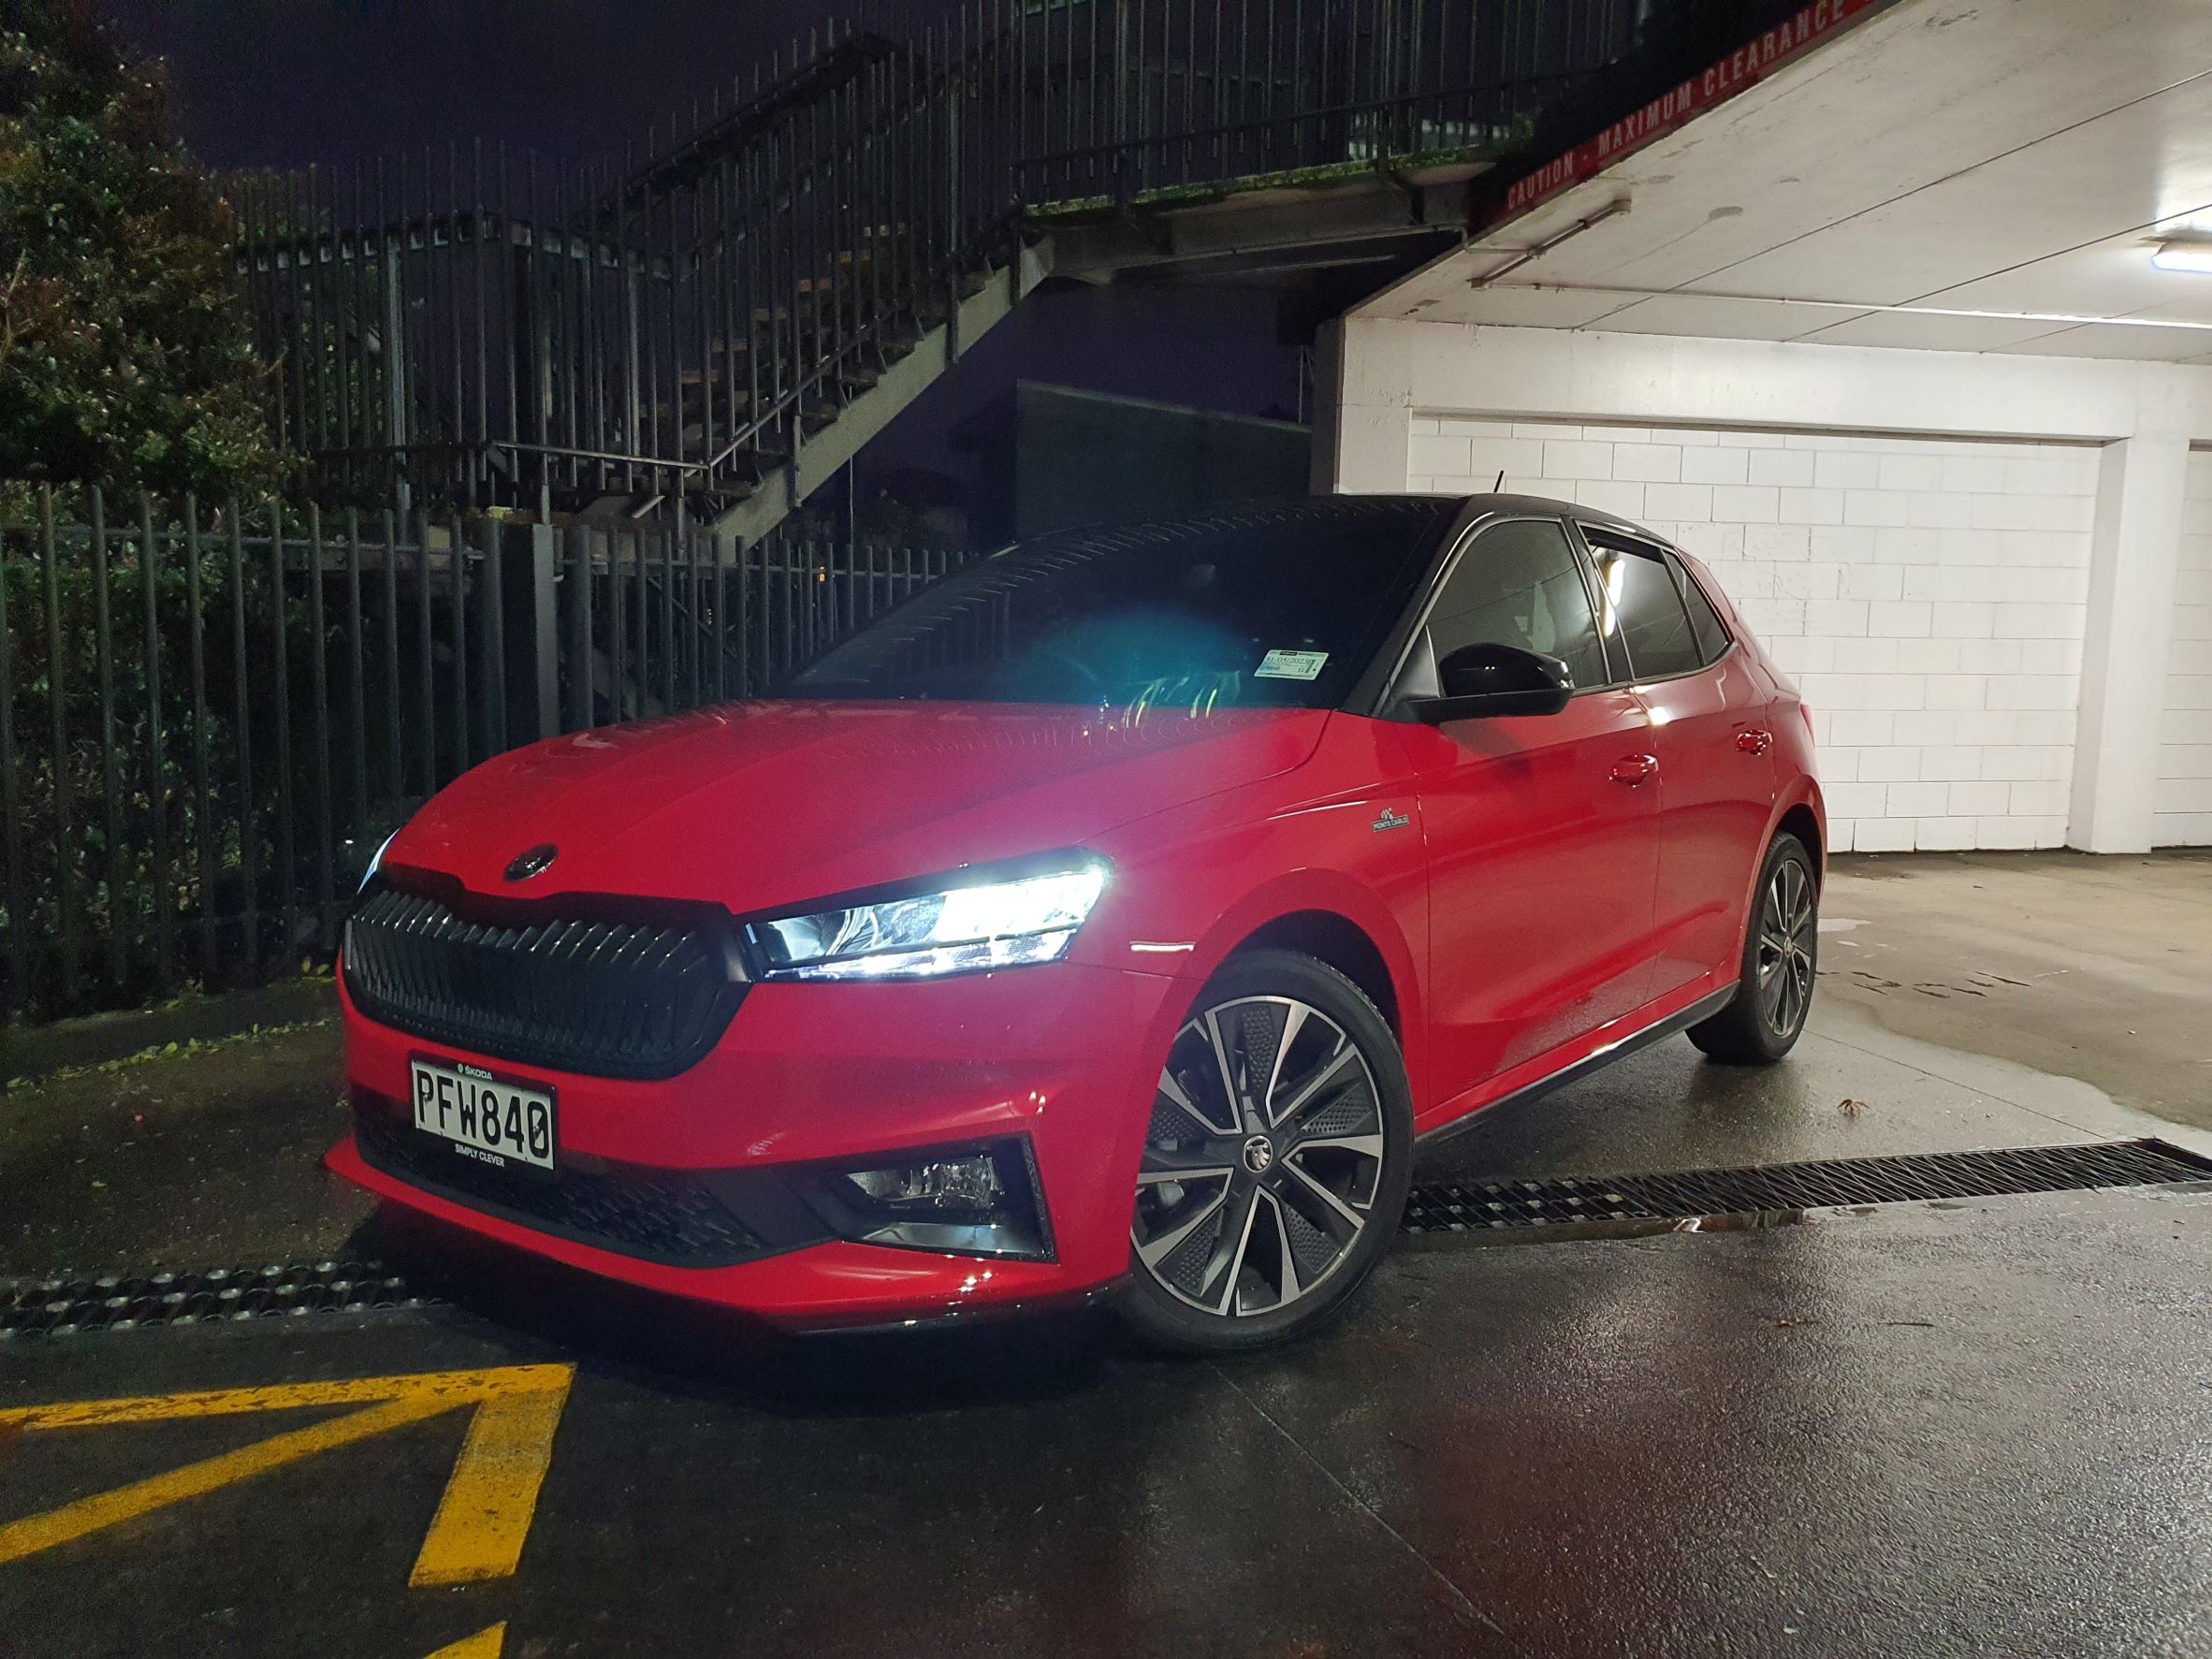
711,331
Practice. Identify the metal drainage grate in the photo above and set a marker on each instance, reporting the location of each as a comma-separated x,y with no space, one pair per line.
64,1305
61,1306
1475,1206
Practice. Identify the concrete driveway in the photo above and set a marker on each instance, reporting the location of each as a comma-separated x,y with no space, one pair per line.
1972,1427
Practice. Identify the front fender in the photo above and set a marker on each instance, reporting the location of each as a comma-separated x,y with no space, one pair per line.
1187,901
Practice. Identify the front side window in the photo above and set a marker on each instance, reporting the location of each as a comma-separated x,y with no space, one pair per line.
1644,612
1518,583
1277,606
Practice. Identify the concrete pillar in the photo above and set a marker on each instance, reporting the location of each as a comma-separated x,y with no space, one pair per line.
1362,410
528,619
2135,556
1327,405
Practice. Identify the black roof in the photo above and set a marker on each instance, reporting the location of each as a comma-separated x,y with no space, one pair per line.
1468,507
1419,513
1505,502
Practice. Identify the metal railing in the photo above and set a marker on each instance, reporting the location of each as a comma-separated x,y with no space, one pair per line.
491,330
480,329
1118,100
210,716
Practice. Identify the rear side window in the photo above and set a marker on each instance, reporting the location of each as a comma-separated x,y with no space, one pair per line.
1644,612
1518,583
1705,622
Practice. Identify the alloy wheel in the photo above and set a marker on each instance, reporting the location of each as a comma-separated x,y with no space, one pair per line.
1787,926
1262,1158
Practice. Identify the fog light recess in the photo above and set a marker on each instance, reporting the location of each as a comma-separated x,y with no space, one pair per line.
975,1201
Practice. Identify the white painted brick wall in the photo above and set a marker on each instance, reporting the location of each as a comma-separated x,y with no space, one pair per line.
1929,597
2183,804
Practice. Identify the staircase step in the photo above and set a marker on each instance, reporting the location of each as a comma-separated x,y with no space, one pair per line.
847,331
717,394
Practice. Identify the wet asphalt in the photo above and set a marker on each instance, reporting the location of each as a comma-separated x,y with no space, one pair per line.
1970,1428
1974,1429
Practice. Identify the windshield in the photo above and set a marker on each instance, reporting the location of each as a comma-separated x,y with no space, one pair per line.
1275,607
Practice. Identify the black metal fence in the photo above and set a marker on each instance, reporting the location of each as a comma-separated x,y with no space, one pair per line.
490,329
480,329
210,716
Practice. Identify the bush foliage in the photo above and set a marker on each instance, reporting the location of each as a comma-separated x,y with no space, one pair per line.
124,357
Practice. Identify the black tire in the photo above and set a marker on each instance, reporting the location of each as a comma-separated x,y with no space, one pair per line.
1781,958
1321,1151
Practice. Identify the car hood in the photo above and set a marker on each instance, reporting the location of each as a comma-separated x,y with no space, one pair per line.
758,804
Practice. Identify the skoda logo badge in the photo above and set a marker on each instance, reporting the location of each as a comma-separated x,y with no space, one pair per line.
1259,1151
533,862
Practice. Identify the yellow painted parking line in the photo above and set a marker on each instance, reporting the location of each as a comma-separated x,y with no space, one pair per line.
127,1503
484,1644
493,1490
482,1519
456,1387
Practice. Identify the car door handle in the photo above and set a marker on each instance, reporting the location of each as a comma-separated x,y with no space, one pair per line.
1636,768
1754,740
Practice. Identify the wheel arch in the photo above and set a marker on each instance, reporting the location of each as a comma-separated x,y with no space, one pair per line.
1802,821
1343,923
1335,939
1799,811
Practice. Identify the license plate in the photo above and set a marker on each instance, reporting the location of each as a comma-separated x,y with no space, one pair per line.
480,1116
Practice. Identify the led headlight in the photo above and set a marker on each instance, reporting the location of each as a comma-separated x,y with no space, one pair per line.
985,923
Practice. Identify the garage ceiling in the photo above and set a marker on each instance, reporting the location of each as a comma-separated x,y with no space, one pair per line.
1995,170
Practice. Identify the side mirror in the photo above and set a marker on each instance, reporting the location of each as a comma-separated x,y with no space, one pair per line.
1479,681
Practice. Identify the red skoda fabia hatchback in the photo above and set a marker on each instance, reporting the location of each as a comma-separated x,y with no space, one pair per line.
1119,914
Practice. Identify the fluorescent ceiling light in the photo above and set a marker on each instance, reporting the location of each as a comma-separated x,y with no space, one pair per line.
2184,255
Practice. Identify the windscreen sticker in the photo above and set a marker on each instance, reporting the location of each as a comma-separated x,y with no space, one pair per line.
1291,666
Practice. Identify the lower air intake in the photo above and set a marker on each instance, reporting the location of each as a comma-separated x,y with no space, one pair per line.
665,1215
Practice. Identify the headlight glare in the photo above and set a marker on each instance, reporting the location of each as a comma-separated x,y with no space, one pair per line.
960,930
375,862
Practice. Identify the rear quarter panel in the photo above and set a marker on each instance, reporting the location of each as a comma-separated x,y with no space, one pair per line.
1796,762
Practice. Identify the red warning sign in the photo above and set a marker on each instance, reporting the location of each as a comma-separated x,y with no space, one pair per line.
1747,65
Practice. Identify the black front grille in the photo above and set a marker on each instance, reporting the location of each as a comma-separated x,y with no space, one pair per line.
666,1215
602,997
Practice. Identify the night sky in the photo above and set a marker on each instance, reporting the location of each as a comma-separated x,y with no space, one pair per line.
281,83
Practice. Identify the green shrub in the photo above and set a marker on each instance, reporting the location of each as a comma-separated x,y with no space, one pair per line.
124,355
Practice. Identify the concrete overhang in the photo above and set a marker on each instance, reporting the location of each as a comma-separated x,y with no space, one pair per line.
1352,216
1952,175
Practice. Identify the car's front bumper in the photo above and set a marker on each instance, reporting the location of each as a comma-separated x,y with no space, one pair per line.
1061,1059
